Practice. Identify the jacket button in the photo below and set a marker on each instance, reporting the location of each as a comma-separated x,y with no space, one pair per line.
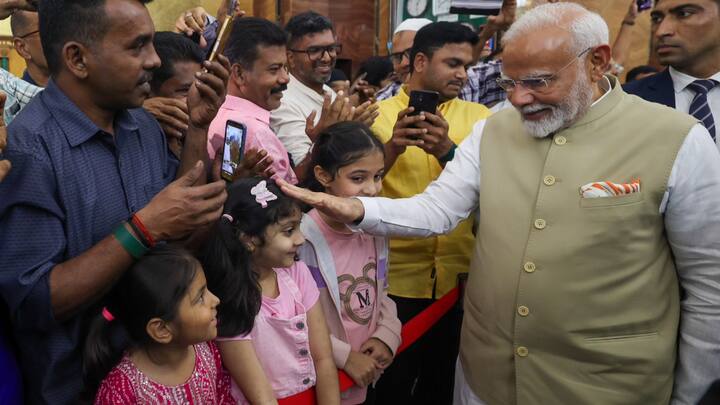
523,310
549,180
529,267
306,381
303,352
560,140
540,223
522,351
300,325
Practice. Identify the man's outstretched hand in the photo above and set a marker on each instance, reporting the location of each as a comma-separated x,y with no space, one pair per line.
346,210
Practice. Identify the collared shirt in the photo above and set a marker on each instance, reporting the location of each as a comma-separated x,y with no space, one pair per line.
259,135
684,96
391,90
288,121
26,76
419,266
691,208
18,92
481,86
70,186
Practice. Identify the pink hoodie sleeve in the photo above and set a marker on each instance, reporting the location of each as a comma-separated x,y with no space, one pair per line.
388,324
341,351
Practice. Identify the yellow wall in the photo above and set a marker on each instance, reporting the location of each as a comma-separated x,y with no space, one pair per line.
164,13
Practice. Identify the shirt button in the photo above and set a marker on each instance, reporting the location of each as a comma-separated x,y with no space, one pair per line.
549,180
529,267
300,325
522,351
540,223
306,381
560,140
523,310
303,352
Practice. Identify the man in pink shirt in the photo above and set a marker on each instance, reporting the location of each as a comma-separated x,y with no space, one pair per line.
256,49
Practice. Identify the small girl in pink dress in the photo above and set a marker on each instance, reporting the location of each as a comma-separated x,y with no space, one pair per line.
151,342
273,337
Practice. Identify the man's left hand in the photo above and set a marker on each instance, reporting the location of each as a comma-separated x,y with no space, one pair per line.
437,142
378,350
208,92
366,113
171,114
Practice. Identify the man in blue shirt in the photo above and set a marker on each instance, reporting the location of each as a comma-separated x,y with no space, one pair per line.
84,159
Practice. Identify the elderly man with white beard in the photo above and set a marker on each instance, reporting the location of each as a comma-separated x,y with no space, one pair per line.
596,209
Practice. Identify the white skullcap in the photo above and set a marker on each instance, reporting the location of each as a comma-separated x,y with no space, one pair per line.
412,24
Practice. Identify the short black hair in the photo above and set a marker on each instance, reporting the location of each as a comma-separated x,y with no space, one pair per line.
306,23
436,35
61,21
378,68
633,73
172,48
19,22
248,34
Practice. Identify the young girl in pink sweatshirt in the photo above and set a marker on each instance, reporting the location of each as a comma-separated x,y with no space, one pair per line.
350,268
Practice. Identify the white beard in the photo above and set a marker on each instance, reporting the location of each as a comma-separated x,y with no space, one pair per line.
565,113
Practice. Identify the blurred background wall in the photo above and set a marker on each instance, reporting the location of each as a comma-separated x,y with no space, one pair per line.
364,26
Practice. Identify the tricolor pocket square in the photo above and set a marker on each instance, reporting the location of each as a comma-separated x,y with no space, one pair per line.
599,189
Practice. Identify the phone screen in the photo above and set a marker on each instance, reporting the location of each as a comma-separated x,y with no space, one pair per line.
644,4
232,148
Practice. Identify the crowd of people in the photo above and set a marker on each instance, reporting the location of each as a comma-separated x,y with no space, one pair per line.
583,213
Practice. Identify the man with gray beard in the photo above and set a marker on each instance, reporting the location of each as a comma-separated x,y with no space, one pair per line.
596,207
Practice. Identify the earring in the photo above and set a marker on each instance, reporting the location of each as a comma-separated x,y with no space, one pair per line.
250,247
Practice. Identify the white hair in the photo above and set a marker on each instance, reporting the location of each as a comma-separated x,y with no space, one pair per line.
588,29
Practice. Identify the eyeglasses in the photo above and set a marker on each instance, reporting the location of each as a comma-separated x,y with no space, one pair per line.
397,57
317,52
538,84
28,34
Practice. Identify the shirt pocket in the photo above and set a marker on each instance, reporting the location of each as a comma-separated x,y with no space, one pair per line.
600,202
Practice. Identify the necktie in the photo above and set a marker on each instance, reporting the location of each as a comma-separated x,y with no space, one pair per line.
699,107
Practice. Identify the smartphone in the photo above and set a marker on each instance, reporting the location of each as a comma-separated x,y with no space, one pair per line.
644,4
233,148
223,34
424,101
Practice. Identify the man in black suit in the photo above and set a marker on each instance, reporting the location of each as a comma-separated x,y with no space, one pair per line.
686,37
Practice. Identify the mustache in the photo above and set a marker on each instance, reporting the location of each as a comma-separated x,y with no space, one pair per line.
278,89
145,78
533,108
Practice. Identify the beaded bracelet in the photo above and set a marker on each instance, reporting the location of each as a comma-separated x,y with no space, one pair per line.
131,245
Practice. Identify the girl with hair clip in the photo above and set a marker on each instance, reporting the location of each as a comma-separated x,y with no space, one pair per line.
151,343
350,268
274,341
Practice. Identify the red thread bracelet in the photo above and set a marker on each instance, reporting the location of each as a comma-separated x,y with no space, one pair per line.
144,230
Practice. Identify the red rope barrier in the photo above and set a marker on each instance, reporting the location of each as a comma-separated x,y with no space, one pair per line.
411,332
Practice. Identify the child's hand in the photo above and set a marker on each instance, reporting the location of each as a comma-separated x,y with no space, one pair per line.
378,350
362,368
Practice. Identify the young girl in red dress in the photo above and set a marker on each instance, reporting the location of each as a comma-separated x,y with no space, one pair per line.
151,344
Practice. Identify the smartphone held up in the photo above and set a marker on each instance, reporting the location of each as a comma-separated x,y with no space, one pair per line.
233,149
